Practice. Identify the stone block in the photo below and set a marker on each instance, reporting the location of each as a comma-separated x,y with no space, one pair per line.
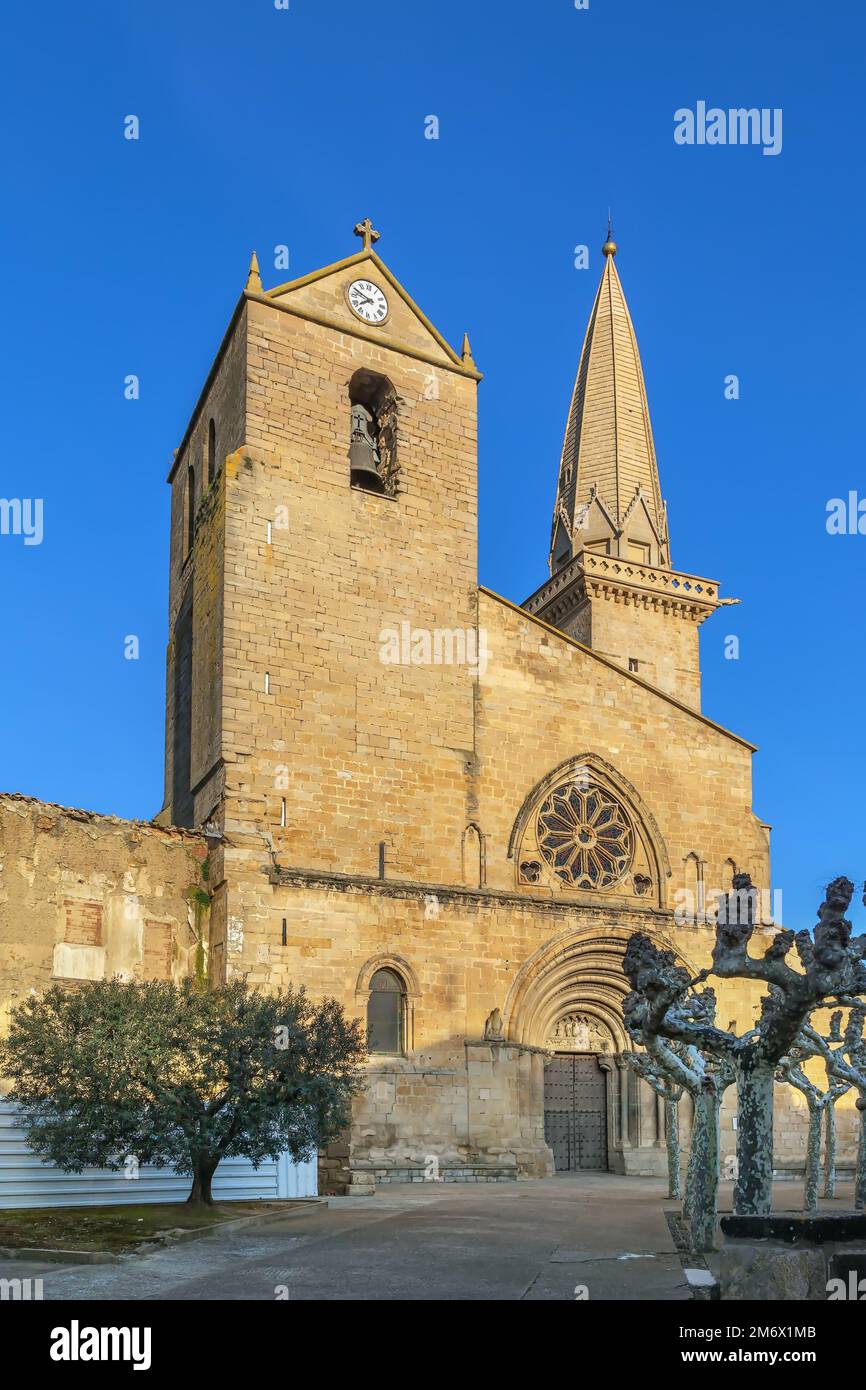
771,1273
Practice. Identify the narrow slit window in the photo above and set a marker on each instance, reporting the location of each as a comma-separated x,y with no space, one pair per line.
211,452
190,508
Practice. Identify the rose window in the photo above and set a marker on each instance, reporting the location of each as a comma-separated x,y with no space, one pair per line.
585,836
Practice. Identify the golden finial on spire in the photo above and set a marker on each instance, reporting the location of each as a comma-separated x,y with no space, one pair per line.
609,248
368,232
254,279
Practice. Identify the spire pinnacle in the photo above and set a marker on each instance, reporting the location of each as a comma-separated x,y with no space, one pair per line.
610,247
254,279
466,352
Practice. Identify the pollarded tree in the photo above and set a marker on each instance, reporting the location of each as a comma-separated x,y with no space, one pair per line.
170,1074
819,1101
706,1080
832,969
651,1070
844,1053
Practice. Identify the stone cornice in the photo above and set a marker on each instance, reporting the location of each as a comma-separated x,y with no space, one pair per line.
494,897
625,581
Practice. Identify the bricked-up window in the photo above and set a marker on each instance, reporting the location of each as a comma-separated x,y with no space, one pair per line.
156,964
211,452
190,508
82,925
386,1013
373,434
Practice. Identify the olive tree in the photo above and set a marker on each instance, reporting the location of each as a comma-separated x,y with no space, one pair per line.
171,1074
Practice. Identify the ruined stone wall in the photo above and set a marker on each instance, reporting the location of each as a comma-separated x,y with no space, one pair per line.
86,897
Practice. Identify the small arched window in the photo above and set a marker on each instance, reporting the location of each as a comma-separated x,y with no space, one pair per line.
386,1013
190,508
211,452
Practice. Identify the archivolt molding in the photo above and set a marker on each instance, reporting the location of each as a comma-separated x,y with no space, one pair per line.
644,822
579,971
386,961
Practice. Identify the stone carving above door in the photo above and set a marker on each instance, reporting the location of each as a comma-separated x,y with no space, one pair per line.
579,1032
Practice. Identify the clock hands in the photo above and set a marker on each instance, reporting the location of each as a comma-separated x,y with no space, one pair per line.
370,307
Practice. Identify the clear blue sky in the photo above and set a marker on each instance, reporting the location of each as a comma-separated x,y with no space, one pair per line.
261,127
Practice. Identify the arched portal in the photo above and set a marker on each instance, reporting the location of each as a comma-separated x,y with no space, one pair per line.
567,1000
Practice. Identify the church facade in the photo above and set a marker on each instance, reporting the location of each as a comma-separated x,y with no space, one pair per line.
447,809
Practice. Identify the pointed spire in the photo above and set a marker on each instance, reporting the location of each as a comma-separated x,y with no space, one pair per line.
609,496
468,359
254,279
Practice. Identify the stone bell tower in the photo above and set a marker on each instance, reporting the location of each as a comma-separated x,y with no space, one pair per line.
324,505
612,586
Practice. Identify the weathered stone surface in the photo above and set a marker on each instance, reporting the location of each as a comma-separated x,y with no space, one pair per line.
797,1227
86,897
771,1273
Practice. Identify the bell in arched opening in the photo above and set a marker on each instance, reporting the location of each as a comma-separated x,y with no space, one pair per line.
364,457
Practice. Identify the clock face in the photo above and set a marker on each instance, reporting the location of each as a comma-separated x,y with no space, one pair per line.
367,301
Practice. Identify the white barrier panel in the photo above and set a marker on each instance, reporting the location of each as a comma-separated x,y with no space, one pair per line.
25,1181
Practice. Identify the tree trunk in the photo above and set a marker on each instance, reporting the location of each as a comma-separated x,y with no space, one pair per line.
672,1136
830,1150
200,1192
860,1178
702,1177
813,1159
753,1192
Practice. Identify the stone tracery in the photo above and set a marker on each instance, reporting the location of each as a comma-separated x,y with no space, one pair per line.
585,835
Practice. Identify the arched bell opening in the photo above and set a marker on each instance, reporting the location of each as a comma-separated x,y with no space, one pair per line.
373,433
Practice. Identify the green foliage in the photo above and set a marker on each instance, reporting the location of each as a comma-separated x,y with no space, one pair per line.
177,1076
